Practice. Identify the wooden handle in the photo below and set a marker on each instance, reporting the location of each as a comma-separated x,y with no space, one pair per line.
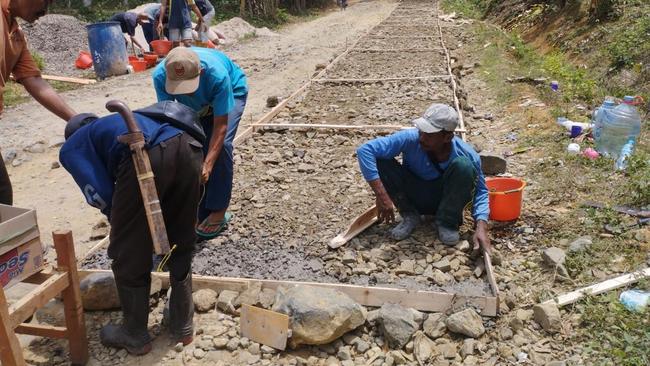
120,107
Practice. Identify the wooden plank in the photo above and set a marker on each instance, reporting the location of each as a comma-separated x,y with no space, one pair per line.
489,271
364,295
332,126
69,79
72,306
35,299
361,223
265,326
41,330
378,80
410,37
599,288
11,353
96,248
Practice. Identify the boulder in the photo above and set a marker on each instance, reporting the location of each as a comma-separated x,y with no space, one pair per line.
580,244
548,316
204,300
554,258
266,298
52,313
492,164
225,301
318,315
398,324
466,322
99,292
250,296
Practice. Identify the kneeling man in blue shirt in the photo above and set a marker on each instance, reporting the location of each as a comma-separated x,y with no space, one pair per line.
439,175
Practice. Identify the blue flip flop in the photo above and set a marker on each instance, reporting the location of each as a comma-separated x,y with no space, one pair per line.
221,226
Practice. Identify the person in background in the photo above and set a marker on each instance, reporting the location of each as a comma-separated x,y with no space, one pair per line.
150,28
16,60
179,20
439,175
128,22
210,83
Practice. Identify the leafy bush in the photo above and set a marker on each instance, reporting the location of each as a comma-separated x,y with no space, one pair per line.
638,184
632,44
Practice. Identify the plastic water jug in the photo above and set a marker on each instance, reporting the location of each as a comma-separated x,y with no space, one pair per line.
619,126
597,119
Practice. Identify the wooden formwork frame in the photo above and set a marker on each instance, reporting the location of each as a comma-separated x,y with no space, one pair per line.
433,301
396,50
379,80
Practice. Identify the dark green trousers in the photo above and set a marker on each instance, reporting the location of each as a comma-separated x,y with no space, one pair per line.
445,197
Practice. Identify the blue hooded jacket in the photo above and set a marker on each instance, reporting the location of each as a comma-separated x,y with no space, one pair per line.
92,154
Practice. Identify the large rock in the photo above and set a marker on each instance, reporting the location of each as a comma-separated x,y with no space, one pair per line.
424,349
318,315
548,316
466,322
580,244
492,164
52,313
250,296
225,301
98,292
398,324
204,300
554,258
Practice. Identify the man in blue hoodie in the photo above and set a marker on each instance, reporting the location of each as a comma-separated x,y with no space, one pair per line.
439,175
103,168
215,87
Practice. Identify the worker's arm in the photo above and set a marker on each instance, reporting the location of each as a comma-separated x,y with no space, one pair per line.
135,42
163,9
480,207
380,148
481,238
196,11
219,129
47,97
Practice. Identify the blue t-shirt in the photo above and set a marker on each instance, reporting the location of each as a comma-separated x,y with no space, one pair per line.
406,143
92,154
220,82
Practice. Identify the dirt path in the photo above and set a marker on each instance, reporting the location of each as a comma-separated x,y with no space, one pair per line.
274,65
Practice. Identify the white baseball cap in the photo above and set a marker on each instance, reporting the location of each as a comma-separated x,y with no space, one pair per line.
183,71
438,117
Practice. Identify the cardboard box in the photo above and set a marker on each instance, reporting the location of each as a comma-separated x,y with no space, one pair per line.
21,251
17,227
21,262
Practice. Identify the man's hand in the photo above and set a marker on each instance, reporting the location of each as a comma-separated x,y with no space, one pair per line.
205,172
385,209
481,238
159,28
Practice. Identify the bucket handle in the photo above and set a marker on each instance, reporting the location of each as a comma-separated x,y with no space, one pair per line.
523,185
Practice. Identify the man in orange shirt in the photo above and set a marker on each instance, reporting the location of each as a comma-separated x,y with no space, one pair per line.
16,60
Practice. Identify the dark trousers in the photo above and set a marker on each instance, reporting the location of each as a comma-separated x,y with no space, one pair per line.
176,164
218,189
6,193
445,197
150,33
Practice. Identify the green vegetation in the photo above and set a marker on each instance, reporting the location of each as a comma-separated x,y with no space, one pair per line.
39,60
615,333
467,8
630,44
638,184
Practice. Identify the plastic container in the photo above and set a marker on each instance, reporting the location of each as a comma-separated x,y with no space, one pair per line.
151,59
570,125
620,125
138,65
161,47
505,198
107,48
84,60
635,300
624,155
598,116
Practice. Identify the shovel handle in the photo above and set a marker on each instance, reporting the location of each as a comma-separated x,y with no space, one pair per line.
120,107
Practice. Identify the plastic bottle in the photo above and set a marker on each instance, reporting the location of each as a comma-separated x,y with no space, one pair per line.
624,155
621,124
634,300
598,117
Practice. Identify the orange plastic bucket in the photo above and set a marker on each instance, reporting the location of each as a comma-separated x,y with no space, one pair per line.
151,59
138,65
84,60
506,195
161,47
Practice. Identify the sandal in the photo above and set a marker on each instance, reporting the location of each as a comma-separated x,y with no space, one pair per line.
221,227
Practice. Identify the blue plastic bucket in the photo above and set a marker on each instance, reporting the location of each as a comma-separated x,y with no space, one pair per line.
107,48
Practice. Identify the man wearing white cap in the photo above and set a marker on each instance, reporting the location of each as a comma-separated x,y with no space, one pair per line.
439,175
209,82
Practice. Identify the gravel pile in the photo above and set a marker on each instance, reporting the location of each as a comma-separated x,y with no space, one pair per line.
58,39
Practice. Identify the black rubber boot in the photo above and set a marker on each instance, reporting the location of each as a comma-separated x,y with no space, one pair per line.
132,335
181,310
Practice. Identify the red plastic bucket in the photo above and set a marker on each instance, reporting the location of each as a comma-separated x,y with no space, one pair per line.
161,47
506,195
84,60
138,65
150,59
